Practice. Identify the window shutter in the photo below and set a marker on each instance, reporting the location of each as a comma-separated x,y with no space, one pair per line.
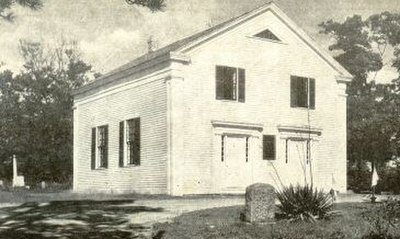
121,143
106,147
312,93
293,91
219,72
269,147
242,85
137,142
93,154
303,90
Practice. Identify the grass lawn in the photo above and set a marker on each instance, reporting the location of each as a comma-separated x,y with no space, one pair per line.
225,223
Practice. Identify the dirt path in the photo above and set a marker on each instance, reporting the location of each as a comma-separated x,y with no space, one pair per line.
175,207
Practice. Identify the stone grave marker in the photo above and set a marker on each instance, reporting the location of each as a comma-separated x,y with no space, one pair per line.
260,203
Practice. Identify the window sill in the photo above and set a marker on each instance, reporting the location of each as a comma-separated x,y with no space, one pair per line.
230,101
131,166
100,169
302,108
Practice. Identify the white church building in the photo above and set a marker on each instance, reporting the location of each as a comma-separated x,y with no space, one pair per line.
253,99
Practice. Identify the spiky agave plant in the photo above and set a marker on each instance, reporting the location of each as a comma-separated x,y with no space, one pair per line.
304,203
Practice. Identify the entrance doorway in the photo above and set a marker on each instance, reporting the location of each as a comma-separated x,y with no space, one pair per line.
236,163
298,161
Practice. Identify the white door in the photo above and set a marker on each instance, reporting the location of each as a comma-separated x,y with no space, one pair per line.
298,163
236,164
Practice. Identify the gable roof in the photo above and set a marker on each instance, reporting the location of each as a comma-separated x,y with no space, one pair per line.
188,43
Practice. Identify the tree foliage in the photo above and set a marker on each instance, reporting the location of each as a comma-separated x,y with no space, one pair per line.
6,6
36,111
153,5
373,113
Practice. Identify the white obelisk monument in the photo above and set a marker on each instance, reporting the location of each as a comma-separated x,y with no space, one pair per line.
18,181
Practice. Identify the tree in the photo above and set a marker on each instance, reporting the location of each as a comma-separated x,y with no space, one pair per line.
153,5
6,6
10,112
373,114
39,117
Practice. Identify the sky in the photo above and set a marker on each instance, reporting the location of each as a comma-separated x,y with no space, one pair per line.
110,33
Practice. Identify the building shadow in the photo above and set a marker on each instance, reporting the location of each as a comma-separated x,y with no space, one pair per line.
72,219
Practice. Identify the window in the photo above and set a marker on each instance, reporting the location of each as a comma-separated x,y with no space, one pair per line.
230,83
129,142
308,153
99,147
247,149
222,148
269,147
102,146
302,92
267,34
286,150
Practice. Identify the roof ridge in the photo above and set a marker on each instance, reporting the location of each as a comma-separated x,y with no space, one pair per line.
176,45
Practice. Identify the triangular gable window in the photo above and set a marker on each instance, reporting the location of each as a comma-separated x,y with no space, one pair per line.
267,34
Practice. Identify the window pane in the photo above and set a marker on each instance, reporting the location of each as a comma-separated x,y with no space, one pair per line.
102,146
101,137
130,130
129,140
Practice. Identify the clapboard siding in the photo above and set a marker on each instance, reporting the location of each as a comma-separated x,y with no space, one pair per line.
145,99
268,67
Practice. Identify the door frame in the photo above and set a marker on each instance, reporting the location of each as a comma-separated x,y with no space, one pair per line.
224,128
300,133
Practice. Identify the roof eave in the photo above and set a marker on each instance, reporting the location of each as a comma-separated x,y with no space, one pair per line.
344,78
324,54
237,21
116,75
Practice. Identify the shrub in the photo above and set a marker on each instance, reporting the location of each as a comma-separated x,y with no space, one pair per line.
389,180
304,203
358,177
382,219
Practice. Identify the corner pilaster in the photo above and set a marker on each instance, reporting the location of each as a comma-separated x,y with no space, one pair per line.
175,132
